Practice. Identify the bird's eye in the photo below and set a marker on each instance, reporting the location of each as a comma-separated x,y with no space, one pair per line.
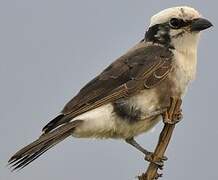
175,23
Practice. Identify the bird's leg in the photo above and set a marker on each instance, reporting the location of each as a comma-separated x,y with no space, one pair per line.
173,116
133,142
148,154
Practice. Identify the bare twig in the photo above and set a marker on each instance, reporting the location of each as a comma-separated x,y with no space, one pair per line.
170,119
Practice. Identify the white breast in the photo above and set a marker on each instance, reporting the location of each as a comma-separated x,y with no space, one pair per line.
185,69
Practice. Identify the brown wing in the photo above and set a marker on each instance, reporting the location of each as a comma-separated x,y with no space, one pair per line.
141,68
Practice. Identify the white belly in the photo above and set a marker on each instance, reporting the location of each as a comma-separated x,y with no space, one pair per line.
102,122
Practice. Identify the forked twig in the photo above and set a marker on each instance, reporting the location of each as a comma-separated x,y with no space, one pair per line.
170,119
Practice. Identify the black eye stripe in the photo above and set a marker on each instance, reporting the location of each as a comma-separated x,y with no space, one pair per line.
177,23
160,33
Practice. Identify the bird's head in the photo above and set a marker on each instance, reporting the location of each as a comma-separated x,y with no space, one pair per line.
177,27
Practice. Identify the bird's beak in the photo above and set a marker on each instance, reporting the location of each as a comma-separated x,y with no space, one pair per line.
200,24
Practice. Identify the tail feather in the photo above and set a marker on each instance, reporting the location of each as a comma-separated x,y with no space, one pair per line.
53,123
32,151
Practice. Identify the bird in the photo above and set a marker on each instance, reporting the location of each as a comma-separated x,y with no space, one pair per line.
131,95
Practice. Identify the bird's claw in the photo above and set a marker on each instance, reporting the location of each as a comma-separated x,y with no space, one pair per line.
158,176
176,117
150,157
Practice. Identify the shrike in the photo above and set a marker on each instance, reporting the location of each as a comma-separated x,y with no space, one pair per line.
129,97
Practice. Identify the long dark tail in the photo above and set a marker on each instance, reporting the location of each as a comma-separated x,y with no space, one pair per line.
46,141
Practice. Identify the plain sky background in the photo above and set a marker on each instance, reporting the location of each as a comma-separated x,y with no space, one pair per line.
49,49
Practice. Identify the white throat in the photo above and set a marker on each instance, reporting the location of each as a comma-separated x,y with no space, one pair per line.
186,44
186,58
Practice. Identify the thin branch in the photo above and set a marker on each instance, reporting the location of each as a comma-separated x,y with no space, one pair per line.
164,139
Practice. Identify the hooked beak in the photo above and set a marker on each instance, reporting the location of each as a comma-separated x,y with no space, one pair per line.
200,24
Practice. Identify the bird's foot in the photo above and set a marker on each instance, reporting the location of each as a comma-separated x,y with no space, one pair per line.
157,176
159,161
177,117
173,116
